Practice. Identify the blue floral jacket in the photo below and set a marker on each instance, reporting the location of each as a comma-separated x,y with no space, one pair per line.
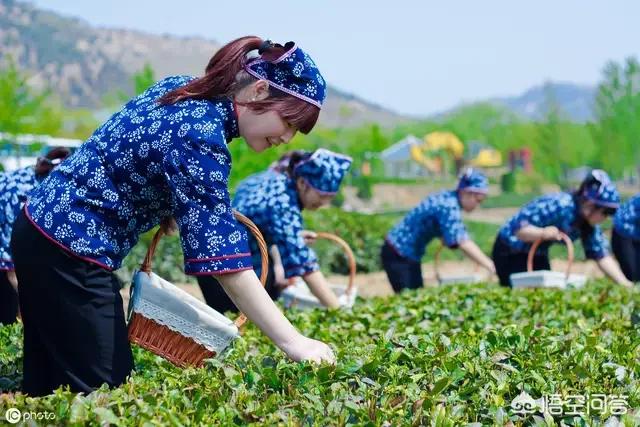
560,210
147,162
14,188
626,221
438,215
270,200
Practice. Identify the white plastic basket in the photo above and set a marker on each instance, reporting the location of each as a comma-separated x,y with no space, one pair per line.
462,279
298,295
169,322
459,279
546,278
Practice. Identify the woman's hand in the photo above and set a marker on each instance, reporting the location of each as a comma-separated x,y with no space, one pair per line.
551,233
280,280
347,300
247,293
309,237
321,289
302,348
473,251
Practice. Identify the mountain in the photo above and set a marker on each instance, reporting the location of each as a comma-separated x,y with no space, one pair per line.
575,102
83,64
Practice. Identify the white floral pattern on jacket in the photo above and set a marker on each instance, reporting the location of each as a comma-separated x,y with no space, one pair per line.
14,188
270,200
627,218
438,215
147,162
557,209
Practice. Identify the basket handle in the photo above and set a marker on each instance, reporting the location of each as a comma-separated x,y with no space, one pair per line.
570,253
264,257
348,252
262,245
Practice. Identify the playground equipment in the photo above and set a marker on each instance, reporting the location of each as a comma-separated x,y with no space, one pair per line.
521,159
429,152
482,155
546,278
433,143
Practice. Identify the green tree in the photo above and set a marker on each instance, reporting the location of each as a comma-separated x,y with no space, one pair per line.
24,109
618,116
141,81
558,144
552,148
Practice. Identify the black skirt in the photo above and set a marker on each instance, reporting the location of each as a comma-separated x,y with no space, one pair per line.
508,262
8,300
403,273
74,327
627,252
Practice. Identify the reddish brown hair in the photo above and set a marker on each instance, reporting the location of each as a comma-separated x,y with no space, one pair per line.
225,75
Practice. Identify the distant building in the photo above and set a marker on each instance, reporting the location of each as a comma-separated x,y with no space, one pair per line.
397,160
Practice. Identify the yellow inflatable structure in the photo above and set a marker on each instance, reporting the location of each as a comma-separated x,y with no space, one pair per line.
428,154
434,142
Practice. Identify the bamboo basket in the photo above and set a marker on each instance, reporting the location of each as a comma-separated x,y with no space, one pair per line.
173,324
298,295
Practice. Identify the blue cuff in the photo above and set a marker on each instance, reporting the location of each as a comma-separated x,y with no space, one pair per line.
301,270
6,264
218,265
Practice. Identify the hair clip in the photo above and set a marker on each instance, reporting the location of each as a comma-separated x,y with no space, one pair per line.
52,162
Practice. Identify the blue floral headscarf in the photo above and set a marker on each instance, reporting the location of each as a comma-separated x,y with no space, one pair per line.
473,180
294,73
323,170
599,188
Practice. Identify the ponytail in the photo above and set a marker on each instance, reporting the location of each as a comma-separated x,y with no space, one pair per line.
45,164
225,75
289,160
296,158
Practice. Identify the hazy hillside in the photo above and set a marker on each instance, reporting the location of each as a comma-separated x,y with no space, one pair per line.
83,63
575,101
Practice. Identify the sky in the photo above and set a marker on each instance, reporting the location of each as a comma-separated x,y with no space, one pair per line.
413,57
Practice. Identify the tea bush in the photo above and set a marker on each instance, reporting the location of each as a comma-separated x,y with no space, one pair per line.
448,356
